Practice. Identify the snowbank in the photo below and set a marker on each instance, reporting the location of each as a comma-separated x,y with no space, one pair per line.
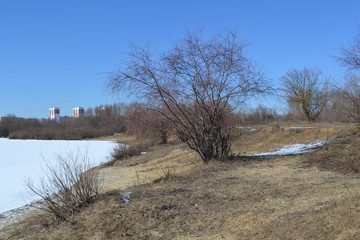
294,149
250,129
297,128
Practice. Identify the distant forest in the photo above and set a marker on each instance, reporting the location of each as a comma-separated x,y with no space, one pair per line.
137,119
99,121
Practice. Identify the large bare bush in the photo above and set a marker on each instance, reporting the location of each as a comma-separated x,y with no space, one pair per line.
147,123
69,185
306,91
194,84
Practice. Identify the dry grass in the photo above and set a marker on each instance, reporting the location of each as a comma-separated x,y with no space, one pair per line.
146,168
273,136
122,152
119,137
264,198
341,154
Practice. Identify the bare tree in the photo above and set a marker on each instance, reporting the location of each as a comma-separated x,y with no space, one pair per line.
196,83
350,56
337,108
306,92
352,96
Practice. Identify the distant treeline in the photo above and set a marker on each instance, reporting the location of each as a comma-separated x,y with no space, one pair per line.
137,119
99,121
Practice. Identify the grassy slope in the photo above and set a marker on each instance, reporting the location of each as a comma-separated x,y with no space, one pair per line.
265,198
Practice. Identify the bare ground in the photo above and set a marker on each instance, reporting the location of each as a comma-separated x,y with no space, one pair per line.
174,196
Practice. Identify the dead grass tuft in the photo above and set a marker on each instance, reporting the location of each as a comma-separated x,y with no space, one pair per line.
123,152
275,128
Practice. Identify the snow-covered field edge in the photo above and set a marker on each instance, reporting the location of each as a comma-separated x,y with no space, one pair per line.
24,159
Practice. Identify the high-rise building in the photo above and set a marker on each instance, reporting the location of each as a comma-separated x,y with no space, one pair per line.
78,112
54,114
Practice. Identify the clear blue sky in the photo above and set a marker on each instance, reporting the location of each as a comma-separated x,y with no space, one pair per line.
55,53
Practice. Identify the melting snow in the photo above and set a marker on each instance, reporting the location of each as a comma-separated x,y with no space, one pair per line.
320,208
250,129
294,149
14,215
297,128
126,197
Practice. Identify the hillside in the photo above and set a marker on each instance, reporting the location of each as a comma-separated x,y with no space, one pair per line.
175,196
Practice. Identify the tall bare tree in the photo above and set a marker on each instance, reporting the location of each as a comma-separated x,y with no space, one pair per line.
350,56
337,108
306,92
196,83
352,96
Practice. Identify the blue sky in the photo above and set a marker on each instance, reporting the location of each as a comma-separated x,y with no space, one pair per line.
56,53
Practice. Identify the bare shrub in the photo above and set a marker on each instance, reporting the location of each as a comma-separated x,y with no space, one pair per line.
123,152
69,185
195,85
166,174
147,123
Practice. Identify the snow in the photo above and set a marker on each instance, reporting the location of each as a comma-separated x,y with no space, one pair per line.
126,197
294,149
320,208
25,159
14,215
250,129
297,128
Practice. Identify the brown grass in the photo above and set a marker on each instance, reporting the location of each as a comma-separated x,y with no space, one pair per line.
266,198
341,154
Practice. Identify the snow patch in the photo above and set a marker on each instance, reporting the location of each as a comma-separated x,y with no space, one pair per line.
294,149
250,129
126,197
320,208
13,216
297,128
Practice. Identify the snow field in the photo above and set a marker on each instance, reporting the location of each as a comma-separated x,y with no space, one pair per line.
21,160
